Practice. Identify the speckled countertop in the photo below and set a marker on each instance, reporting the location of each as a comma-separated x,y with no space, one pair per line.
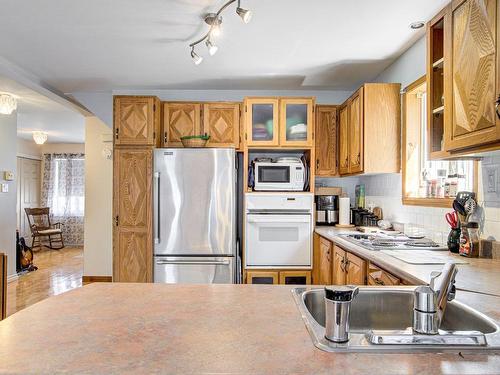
106,328
479,275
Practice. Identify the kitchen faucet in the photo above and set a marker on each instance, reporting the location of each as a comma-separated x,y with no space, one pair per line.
430,301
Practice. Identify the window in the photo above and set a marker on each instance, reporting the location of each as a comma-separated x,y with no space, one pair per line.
428,182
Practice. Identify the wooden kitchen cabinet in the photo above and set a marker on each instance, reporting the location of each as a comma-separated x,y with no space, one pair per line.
325,261
262,277
221,121
296,122
355,270
344,140
133,210
261,121
338,266
295,277
475,81
326,140
370,130
136,120
180,119
377,276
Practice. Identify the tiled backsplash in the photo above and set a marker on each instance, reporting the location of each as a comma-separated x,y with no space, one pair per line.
385,191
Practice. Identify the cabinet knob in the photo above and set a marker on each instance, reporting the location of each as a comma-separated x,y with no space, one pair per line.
116,132
165,138
358,158
317,163
379,281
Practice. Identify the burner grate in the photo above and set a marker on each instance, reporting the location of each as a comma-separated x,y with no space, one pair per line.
385,243
421,243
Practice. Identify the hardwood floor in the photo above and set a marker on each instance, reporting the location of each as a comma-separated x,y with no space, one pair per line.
58,271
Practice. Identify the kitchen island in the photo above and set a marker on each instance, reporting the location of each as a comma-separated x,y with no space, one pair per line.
119,328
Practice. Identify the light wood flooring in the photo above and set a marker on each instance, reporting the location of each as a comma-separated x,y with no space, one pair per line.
58,271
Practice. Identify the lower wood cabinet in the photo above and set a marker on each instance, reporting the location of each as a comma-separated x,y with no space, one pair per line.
348,269
338,266
133,210
377,276
295,277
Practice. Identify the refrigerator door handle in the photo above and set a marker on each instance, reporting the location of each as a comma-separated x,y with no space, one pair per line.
156,210
193,262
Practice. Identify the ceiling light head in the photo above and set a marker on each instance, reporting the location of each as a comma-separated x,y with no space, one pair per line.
245,14
417,25
8,104
212,48
215,23
197,59
39,137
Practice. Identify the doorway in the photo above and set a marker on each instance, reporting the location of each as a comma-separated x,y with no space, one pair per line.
28,192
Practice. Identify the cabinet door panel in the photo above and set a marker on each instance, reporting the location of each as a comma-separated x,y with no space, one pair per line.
261,121
222,122
356,133
180,120
356,270
377,276
296,122
326,140
134,120
344,140
295,277
339,274
474,60
262,277
325,262
133,242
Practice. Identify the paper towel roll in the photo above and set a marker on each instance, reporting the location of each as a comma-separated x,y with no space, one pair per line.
344,211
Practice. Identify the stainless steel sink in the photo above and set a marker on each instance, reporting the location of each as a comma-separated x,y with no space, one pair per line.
381,314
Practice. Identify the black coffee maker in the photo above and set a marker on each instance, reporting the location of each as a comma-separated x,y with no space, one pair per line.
327,209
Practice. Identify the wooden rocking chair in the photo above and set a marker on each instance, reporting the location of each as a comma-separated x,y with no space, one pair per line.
40,225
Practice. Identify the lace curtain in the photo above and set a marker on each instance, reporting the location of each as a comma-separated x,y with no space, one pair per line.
63,191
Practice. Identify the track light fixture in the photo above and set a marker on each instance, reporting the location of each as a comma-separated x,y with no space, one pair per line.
214,20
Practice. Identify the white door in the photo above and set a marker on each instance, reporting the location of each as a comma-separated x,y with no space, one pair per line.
28,192
277,240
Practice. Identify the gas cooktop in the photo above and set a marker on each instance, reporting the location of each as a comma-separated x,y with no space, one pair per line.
392,242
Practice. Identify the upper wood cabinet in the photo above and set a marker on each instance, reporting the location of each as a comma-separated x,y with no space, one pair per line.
370,130
474,74
179,120
344,140
296,122
462,79
222,122
133,208
326,140
274,121
136,120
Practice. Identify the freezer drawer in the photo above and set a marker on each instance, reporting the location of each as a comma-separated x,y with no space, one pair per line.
194,270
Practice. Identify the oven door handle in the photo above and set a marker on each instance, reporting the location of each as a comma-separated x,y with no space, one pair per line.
194,262
280,219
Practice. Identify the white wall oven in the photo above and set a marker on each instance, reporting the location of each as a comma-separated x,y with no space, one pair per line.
279,230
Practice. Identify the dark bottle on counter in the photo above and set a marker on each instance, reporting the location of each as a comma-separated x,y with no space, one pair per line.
454,240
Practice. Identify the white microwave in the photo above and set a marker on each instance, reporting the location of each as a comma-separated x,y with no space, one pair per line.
286,174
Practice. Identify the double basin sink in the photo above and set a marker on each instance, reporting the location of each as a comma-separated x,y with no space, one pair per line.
381,320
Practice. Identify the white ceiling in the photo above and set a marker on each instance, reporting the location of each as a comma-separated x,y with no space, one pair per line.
101,45
37,112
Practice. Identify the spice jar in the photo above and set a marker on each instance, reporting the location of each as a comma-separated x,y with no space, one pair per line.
469,240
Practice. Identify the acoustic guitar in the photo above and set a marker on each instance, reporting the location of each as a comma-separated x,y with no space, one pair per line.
25,253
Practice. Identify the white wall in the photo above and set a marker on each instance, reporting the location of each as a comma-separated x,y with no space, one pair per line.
28,148
8,162
98,236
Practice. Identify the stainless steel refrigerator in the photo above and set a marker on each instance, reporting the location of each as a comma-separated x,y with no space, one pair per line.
194,215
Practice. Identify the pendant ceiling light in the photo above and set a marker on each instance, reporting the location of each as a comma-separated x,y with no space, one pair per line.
8,104
214,20
39,137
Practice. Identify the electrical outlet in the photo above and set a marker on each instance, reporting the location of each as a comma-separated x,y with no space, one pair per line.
4,188
491,180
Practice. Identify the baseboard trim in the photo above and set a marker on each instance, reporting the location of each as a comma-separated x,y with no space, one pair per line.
12,278
96,279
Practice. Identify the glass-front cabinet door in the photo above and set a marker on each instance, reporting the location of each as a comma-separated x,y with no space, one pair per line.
296,122
261,115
